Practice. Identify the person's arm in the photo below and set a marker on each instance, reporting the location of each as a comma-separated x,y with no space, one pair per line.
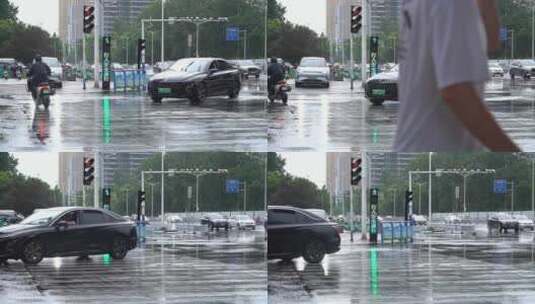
467,106
491,20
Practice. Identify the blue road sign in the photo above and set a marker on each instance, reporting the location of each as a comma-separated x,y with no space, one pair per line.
503,34
500,186
232,186
233,34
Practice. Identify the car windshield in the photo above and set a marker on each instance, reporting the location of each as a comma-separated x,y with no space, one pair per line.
190,65
313,63
43,217
51,62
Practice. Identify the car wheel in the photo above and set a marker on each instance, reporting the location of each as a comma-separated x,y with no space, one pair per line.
199,95
33,252
512,76
119,248
156,99
257,76
314,251
328,85
211,227
235,91
254,227
377,102
226,228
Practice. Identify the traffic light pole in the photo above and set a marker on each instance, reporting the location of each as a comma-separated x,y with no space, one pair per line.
351,67
84,60
364,197
98,27
351,189
96,200
364,42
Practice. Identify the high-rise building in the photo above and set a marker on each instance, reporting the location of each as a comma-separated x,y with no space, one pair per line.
70,176
126,164
71,15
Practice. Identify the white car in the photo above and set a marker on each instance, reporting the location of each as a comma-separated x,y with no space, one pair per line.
419,219
243,222
313,71
524,222
495,69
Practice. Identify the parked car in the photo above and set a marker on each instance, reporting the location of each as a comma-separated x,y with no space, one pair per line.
383,86
522,68
248,68
294,232
243,222
524,222
215,220
503,222
56,78
313,71
173,218
196,79
495,69
9,217
419,220
452,219
67,231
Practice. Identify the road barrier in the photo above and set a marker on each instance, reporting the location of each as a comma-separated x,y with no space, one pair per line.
129,80
400,231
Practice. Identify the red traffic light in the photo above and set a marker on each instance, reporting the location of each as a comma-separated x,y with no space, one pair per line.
88,10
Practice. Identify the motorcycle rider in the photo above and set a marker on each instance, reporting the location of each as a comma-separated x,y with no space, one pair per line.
275,74
38,74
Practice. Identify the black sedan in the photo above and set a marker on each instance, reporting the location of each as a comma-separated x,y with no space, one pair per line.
522,68
383,86
67,231
294,232
216,221
196,79
9,217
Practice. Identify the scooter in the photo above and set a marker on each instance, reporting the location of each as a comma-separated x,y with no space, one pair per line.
281,92
6,74
43,93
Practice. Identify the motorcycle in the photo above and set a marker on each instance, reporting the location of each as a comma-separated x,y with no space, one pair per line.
281,92
43,93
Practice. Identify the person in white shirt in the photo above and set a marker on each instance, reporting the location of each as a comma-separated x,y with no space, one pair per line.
443,70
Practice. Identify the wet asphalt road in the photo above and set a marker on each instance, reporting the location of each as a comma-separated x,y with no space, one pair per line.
216,267
337,119
435,269
79,121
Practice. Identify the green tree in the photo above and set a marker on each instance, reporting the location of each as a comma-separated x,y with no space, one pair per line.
8,11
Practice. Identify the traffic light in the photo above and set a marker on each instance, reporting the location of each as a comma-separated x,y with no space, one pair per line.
356,171
89,170
140,203
89,18
106,198
356,19
141,46
408,203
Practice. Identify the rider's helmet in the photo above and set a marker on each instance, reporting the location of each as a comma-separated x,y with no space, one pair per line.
38,58
273,60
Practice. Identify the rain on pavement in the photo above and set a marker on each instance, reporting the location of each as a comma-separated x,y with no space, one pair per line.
339,120
438,268
79,121
205,267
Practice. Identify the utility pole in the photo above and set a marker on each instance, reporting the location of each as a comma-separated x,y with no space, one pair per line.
96,199
244,196
163,43
364,197
364,40
98,26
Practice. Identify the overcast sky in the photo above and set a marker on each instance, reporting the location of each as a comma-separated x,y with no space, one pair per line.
43,165
43,13
310,165
311,13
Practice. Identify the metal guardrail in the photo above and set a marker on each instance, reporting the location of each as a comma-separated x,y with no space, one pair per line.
401,231
129,80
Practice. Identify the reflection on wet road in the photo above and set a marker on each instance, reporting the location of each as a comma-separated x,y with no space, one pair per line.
435,269
337,119
171,268
130,122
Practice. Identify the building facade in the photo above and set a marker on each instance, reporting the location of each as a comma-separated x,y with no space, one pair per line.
71,177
